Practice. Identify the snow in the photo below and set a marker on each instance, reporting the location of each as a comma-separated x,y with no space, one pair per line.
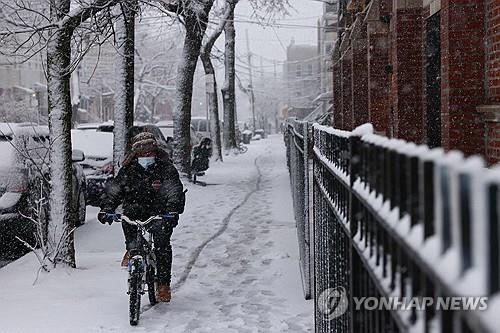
333,131
9,199
235,264
93,144
362,130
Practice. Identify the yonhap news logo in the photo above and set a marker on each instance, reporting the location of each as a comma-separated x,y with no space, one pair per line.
333,303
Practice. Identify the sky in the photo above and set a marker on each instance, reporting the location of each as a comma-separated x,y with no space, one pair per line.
271,42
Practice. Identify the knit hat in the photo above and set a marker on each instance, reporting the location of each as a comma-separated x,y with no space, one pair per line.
144,142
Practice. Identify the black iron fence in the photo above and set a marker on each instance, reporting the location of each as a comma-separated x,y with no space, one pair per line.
390,223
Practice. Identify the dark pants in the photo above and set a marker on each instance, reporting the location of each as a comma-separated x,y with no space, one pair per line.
163,250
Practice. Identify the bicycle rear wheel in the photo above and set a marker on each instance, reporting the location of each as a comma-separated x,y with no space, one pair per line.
135,281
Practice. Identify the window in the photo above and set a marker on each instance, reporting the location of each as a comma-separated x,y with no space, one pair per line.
299,70
310,68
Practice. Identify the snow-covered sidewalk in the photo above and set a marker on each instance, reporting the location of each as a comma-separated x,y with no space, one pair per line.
235,264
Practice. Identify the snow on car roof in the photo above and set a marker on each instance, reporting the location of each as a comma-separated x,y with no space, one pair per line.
9,129
88,126
96,144
165,123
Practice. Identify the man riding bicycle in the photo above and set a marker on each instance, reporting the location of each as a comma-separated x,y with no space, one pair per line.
148,184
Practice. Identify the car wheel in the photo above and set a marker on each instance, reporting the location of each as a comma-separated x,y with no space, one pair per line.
82,209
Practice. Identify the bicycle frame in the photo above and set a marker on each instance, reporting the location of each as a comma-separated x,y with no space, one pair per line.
143,256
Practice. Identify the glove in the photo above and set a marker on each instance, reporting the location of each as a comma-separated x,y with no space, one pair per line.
104,217
173,221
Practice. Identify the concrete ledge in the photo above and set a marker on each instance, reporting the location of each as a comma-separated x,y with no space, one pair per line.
491,113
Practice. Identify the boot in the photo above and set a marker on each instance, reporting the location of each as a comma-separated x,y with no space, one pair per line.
125,260
164,293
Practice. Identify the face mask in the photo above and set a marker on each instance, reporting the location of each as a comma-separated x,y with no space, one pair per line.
145,162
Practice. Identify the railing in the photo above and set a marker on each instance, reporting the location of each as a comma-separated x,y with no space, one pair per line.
396,220
298,156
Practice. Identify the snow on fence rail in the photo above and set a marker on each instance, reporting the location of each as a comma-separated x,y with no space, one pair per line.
383,217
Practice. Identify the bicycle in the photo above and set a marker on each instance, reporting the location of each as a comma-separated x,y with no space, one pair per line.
141,265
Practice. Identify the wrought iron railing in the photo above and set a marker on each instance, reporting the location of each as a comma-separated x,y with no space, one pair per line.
383,218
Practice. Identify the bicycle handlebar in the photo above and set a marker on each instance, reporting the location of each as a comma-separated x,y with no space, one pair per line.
122,218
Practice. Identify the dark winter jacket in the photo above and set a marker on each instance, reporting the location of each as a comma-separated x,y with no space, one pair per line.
145,193
201,153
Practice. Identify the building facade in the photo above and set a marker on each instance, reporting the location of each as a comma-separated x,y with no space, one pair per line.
327,36
426,71
302,77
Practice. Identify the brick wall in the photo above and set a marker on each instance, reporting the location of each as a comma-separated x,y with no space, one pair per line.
394,60
360,73
492,116
378,78
346,68
463,75
493,41
407,88
337,96
493,142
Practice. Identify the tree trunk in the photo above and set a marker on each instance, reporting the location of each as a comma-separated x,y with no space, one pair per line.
61,224
124,90
195,24
213,104
211,82
228,91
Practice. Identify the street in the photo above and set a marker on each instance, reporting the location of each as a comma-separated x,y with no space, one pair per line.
235,264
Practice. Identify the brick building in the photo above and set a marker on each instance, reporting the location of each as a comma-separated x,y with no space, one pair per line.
426,71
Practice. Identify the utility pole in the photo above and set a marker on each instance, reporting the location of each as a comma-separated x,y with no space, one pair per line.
252,96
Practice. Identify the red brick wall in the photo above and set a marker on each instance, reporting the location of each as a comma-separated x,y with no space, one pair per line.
463,75
493,73
337,96
407,45
360,73
493,40
378,81
347,115
493,142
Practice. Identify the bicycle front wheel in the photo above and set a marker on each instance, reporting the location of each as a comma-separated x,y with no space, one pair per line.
150,280
135,281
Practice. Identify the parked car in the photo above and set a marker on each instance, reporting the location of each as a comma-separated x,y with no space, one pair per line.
88,126
24,165
167,129
98,164
201,126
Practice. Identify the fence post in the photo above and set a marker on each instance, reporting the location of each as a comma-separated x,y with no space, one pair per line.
307,220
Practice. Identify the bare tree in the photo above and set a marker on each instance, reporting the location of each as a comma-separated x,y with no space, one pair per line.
124,85
211,81
194,15
34,30
228,90
263,10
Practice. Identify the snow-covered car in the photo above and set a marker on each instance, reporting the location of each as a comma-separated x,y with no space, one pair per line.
88,126
167,129
24,151
201,126
98,164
